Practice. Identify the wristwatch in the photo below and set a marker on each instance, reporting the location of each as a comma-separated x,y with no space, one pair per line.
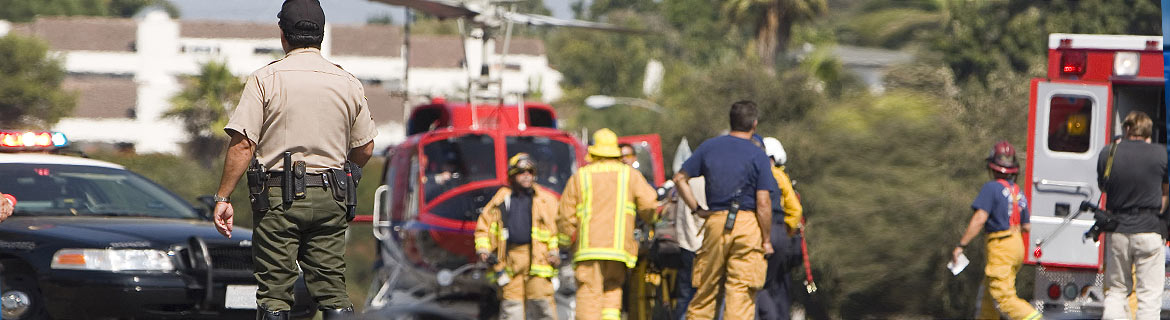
217,198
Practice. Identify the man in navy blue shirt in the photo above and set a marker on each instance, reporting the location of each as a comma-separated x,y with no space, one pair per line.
1001,212
738,184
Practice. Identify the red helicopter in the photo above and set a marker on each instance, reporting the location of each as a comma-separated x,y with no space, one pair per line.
438,180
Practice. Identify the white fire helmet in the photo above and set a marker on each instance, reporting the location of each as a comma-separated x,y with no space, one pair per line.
775,150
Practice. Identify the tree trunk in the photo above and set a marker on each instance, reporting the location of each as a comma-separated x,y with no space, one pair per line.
767,40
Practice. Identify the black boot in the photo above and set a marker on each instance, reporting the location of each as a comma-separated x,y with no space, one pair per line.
335,314
264,314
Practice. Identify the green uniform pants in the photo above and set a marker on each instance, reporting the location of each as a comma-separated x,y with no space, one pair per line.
310,231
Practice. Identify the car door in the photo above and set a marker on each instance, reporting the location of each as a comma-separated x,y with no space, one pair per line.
1068,128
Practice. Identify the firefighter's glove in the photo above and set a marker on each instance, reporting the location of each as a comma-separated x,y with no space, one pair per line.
554,258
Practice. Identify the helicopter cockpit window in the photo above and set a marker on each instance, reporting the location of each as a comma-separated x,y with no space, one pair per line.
458,161
554,159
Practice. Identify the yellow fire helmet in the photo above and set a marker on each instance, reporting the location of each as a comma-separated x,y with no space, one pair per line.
519,163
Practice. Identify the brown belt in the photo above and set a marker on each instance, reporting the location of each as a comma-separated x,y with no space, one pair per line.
311,180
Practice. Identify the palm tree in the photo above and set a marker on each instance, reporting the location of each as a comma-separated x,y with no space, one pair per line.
772,21
203,106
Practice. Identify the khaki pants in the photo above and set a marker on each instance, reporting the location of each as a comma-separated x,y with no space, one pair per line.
310,231
1005,255
525,296
1129,254
599,289
732,261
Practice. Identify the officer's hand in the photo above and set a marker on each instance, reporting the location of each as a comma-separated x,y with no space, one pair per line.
5,208
768,250
224,218
703,213
483,256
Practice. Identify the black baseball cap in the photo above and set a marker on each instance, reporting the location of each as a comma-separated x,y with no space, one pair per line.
302,17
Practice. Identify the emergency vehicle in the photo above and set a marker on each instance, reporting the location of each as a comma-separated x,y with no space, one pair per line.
90,239
1092,83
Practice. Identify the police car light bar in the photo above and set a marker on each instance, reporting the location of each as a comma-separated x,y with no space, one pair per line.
32,140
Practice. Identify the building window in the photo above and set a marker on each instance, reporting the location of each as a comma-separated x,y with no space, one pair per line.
200,49
1070,123
265,51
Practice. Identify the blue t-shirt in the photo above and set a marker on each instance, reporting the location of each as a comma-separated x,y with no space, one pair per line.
995,199
728,164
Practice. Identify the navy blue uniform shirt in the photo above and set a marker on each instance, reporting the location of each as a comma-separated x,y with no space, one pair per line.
994,199
728,164
518,217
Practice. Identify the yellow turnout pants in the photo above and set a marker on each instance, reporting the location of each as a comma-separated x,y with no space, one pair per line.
526,296
1005,255
599,289
732,261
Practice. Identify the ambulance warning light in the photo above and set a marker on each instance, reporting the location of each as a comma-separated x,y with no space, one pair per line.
1072,63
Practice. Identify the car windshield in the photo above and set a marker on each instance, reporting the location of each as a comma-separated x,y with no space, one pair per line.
51,189
554,159
458,161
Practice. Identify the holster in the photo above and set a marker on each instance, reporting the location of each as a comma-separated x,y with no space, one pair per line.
344,183
257,188
286,193
731,213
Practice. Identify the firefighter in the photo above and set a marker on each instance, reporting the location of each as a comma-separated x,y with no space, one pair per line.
1001,211
597,213
773,302
738,187
519,224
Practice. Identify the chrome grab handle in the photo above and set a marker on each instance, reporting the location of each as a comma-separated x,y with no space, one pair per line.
378,224
1067,184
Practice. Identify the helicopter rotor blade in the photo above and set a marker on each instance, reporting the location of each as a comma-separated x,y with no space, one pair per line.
442,9
547,21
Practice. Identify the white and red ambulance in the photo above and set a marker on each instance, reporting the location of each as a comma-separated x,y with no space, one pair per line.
1093,81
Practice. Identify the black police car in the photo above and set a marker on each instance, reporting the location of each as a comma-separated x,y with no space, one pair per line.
89,239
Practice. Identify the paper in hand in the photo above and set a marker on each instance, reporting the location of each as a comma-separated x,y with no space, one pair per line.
956,266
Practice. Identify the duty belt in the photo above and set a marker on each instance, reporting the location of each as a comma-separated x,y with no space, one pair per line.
311,179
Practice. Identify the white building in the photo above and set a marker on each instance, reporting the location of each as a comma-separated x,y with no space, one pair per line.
126,70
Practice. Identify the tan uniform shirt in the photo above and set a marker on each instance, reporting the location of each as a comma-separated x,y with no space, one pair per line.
306,105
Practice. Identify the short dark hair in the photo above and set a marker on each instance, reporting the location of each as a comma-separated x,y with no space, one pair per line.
301,39
744,114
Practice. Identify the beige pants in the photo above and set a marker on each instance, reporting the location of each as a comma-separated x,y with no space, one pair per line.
1129,253
599,289
732,261
525,296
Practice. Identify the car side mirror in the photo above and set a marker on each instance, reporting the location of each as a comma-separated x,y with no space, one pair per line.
208,208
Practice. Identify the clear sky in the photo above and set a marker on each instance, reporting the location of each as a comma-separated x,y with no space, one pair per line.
336,11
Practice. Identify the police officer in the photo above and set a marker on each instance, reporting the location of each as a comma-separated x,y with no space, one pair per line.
773,301
519,225
304,105
738,186
1001,211
597,212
